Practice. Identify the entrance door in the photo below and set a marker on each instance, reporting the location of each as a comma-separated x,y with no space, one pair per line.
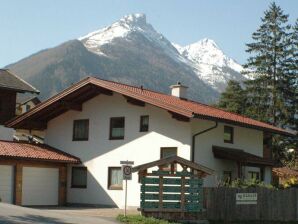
6,183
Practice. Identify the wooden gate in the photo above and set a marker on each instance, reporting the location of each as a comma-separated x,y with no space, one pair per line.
173,191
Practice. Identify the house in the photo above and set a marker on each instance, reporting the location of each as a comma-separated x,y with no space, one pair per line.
27,169
10,86
103,122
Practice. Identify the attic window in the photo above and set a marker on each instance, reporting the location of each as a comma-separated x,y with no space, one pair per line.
228,134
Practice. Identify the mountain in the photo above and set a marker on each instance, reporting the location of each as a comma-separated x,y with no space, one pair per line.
211,64
129,51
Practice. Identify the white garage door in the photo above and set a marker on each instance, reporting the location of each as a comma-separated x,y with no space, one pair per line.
6,183
40,186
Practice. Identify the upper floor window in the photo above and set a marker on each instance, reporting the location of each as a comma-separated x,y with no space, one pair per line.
117,125
79,177
144,123
28,107
228,134
80,130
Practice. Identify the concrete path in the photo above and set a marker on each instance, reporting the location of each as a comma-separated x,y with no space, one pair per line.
11,214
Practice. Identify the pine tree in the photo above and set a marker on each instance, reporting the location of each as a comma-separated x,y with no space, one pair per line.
232,99
270,49
271,94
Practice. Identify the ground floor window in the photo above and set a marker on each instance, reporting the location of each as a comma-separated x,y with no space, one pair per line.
227,176
79,177
115,178
167,152
254,175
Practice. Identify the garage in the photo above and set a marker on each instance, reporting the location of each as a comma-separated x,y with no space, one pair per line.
6,183
33,174
40,186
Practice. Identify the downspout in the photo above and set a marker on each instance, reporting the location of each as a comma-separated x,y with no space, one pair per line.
194,139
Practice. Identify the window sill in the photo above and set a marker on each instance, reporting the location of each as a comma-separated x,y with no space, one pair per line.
116,188
79,187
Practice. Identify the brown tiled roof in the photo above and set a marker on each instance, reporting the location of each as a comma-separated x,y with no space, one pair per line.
285,172
8,80
240,156
40,152
190,109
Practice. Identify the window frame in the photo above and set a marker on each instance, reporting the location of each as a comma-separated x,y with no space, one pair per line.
72,177
230,128
111,129
110,187
141,124
258,174
168,168
229,174
74,138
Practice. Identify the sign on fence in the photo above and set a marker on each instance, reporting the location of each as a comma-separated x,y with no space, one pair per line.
246,198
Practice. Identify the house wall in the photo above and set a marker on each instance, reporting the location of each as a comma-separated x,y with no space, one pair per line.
99,153
249,140
7,105
6,133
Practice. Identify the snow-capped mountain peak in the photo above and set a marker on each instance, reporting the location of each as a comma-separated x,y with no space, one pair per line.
132,23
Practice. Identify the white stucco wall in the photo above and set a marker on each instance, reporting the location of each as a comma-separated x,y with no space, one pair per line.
98,153
249,140
6,133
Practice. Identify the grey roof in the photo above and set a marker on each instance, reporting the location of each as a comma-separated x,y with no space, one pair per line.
8,80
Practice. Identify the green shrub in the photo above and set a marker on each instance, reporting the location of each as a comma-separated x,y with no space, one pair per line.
138,219
239,183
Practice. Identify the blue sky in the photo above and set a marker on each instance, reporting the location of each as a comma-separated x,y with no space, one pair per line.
32,25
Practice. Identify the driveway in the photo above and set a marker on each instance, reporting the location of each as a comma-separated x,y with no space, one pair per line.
11,214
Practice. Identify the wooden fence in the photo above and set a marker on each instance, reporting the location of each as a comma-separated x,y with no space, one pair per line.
271,205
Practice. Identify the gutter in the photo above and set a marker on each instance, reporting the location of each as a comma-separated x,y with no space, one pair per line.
199,133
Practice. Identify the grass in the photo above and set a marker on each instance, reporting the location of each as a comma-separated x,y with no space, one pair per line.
138,219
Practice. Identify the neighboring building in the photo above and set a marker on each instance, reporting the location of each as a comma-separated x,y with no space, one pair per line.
24,106
103,122
27,104
10,86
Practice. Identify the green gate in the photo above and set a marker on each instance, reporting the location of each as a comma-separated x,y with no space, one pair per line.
176,187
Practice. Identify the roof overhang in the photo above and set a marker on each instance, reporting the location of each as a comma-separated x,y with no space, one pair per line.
240,156
73,97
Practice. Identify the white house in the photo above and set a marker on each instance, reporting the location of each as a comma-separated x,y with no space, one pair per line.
103,122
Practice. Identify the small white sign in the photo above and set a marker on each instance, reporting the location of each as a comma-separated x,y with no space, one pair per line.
127,170
126,162
246,198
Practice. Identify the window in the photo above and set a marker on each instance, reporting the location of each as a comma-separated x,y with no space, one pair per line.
115,178
144,123
227,176
167,152
79,177
28,107
254,175
80,130
228,134
117,128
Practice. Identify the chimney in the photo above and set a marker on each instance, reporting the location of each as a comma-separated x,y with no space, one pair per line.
179,90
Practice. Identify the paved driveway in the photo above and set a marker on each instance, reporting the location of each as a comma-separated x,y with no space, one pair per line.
11,214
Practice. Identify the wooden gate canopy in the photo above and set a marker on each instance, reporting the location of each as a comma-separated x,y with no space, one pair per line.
172,192
200,170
